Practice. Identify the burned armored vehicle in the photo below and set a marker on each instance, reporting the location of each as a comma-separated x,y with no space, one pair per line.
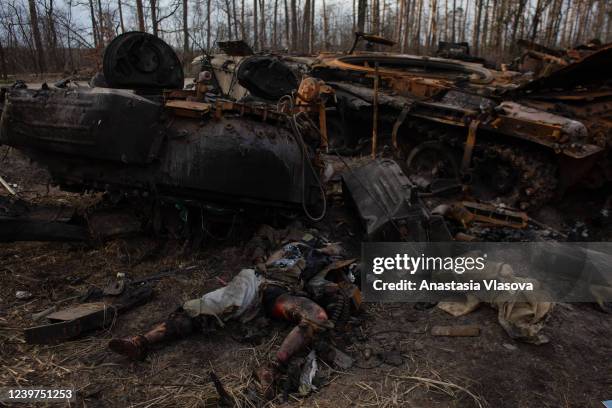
451,122
145,135
507,137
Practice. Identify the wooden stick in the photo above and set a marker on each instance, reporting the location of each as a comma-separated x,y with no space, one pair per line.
8,188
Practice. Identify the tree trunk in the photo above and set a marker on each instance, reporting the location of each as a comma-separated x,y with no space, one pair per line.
255,27
208,13
465,15
275,26
599,22
262,9
235,19
36,34
354,16
399,23
51,36
476,32
409,3
287,18
453,38
153,4
311,37
3,63
229,19
446,26
121,16
431,38
519,12
94,25
185,31
294,26
536,20
326,27
362,6
101,25
417,37
485,27
306,26
242,27
139,12
375,17
499,26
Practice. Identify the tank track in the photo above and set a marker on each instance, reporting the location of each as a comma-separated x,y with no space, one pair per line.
535,172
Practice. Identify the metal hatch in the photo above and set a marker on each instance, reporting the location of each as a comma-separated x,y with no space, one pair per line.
137,60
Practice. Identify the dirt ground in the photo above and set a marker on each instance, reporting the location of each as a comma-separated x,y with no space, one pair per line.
397,361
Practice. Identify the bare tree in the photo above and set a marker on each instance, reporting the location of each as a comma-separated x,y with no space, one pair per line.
275,26
153,4
306,26
120,8
287,18
294,26
326,26
407,18
311,31
235,18
3,62
94,24
242,23
454,38
433,28
362,7
255,26
262,32
36,34
185,30
476,28
229,18
208,13
139,13
101,29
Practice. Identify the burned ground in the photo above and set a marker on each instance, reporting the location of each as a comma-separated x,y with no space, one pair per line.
397,361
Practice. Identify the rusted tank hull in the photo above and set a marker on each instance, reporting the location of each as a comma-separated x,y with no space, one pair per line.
109,139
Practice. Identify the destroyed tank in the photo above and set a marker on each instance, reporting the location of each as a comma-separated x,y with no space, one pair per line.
450,122
512,139
143,134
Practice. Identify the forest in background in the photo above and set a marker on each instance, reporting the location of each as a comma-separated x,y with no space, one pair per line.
66,36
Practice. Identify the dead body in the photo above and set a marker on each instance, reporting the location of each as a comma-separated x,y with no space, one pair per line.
276,287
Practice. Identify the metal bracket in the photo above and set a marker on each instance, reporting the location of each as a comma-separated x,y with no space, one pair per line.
469,146
398,123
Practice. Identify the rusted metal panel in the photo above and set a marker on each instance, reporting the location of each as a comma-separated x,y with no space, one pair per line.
189,109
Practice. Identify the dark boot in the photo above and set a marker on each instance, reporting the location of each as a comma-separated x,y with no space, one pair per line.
176,327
